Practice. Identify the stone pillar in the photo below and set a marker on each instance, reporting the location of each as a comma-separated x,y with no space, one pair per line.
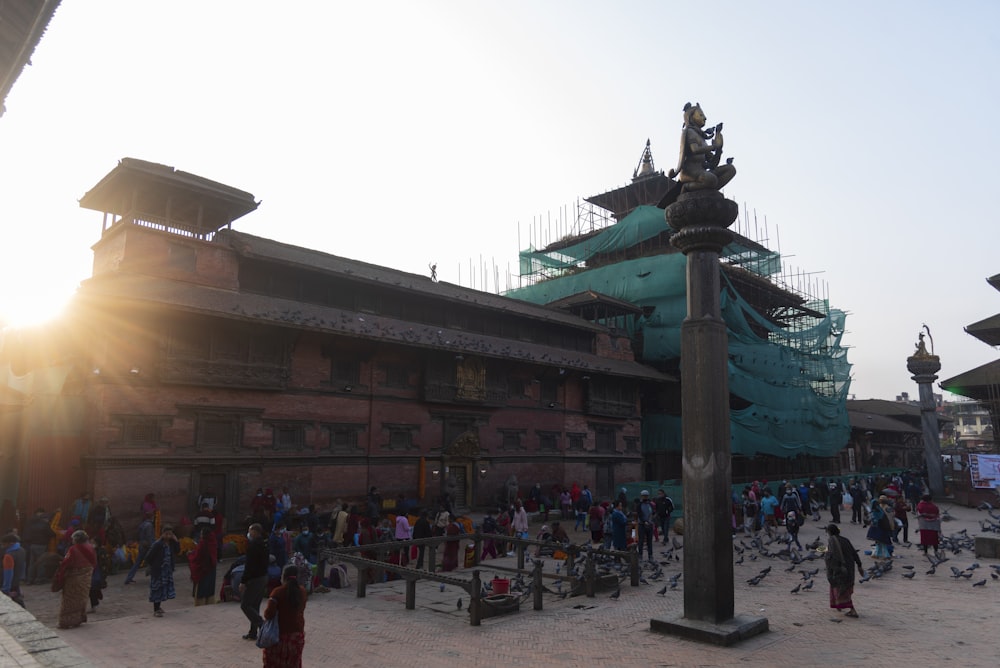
924,368
701,220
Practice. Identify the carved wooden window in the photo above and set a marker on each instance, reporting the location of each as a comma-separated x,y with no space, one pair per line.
605,440
345,373
138,431
344,437
631,444
400,435
397,375
576,441
548,441
289,436
511,439
218,432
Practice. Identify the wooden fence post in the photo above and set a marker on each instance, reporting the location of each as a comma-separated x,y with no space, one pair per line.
536,584
475,603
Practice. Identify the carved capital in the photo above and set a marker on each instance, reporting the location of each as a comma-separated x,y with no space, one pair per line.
925,366
702,208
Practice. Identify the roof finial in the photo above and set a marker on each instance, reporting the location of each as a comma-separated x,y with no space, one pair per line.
645,167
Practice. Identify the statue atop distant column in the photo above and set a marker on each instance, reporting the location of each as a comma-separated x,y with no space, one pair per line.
698,166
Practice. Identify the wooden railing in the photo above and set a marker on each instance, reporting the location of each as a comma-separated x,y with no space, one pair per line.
474,586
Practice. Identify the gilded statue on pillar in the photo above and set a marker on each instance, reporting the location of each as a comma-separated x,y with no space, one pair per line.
698,166
921,350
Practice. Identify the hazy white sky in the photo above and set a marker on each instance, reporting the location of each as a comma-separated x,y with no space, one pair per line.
405,133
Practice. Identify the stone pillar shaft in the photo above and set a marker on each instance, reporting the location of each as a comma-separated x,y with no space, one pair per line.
701,220
924,368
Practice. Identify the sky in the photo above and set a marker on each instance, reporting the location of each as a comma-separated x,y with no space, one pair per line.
414,133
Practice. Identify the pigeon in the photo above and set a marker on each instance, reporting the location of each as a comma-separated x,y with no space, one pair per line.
662,591
809,585
995,576
739,561
753,582
931,571
797,588
981,583
442,587
909,575
618,592
909,568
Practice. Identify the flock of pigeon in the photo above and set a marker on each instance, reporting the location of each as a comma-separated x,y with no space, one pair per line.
760,548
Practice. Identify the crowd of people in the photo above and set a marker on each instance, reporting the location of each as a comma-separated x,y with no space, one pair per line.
285,543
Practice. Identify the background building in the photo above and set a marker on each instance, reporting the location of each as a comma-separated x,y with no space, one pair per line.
197,358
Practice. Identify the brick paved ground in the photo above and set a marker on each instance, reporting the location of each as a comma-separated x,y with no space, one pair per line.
933,619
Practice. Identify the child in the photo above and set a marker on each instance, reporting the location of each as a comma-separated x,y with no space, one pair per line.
792,526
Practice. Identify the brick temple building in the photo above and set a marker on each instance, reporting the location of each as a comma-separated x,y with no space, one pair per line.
200,358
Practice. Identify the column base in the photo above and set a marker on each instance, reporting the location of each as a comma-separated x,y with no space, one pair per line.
730,632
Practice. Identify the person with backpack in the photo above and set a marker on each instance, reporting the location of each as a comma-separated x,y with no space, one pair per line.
645,517
664,508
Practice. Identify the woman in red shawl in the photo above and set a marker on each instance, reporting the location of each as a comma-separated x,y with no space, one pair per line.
288,602
928,523
203,559
449,560
367,536
73,580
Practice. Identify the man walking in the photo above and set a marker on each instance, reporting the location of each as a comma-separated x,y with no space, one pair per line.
254,580
36,537
644,518
664,508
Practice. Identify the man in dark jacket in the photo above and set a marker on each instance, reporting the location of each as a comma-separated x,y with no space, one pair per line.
254,578
36,537
421,529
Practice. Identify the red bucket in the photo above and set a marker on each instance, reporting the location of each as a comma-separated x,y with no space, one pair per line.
501,586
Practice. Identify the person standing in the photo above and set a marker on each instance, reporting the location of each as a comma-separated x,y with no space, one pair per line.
928,523
403,532
81,507
254,579
203,561
340,526
73,580
767,505
619,527
596,520
841,559
288,602
835,497
37,535
792,527
900,511
14,567
858,499
161,558
750,512
519,523
145,542
421,529
664,508
881,530
644,520
99,578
